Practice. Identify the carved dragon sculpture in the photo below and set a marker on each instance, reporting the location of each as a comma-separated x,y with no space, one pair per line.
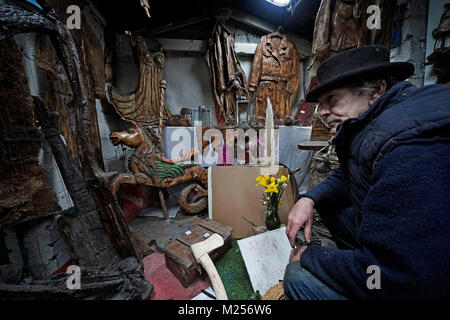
150,167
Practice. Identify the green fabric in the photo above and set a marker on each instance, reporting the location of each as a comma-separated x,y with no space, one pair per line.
170,170
233,273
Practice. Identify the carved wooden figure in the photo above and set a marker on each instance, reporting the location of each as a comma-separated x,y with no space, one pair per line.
150,167
228,80
275,74
143,105
440,56
344,26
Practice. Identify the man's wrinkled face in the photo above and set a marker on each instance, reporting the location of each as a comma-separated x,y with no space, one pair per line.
340,104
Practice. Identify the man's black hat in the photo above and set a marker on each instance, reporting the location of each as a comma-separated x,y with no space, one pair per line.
362,63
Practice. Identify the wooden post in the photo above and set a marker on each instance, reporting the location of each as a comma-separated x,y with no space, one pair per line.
163,204
162,86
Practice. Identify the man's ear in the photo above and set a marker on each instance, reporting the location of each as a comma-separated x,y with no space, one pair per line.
379,91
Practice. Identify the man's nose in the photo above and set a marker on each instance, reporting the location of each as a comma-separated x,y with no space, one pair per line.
323,112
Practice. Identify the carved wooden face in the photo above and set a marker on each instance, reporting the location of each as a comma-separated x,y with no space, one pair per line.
131,137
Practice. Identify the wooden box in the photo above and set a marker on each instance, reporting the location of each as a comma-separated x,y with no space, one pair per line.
179,257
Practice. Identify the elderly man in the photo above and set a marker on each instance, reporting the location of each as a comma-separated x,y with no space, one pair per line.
387,205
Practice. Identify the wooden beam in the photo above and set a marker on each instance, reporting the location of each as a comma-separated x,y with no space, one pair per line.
245,49
182,45
312,145
182,24
199,46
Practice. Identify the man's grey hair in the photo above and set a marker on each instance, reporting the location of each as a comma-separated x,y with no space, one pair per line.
367,87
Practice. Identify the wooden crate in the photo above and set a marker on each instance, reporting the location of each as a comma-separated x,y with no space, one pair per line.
179,257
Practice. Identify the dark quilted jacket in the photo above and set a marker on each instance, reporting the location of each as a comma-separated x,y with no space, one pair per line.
395,172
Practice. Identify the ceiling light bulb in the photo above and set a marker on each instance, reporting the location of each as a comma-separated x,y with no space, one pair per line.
281,2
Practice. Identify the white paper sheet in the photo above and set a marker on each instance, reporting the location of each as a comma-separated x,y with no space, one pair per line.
266,256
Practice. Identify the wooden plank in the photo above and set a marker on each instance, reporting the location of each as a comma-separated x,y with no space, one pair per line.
245,49
183,45
196,235
199,46
182,24
312,145
217,227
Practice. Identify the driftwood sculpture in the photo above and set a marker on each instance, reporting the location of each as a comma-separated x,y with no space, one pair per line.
142,106
228,79
148,164
275,74
111,267
440,56
150,167
344,26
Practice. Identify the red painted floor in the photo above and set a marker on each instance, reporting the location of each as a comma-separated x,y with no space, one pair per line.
166,286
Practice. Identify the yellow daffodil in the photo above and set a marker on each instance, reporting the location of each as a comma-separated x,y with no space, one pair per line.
272,180
271,188
261,181
283,179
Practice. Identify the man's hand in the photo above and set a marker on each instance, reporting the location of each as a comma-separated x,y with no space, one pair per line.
297,253
300,215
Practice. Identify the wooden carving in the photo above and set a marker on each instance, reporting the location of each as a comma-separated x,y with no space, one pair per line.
440,56
101,241
150,167
336,29
143,105
343,26
228,79
443,29
275,74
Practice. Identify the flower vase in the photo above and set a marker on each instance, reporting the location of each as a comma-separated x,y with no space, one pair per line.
272,221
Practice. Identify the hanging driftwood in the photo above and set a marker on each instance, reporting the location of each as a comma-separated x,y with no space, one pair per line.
227,77
344,26
13,20
275,75
439,58
143,105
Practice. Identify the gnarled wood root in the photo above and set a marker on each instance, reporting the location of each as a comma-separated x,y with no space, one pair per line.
197,202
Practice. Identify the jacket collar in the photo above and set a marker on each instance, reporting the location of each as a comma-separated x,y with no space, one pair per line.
274,52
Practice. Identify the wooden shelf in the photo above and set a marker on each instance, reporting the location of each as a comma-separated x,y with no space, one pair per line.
312,145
